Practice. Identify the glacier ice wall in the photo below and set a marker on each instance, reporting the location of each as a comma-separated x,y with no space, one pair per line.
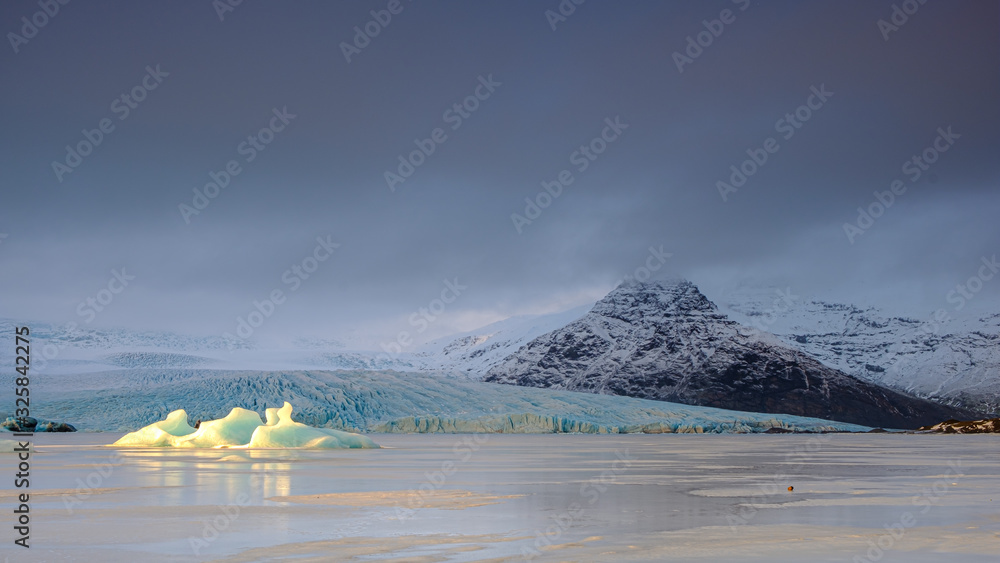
382,402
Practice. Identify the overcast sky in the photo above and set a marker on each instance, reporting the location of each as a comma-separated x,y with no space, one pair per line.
198,85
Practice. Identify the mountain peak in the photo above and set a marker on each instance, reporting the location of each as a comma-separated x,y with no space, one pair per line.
633,299
665,340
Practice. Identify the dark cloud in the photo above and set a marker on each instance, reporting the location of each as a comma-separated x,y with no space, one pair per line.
323,174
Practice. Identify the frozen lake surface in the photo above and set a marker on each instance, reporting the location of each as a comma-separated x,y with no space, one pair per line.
498,497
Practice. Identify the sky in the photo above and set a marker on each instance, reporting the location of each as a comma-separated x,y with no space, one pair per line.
390,158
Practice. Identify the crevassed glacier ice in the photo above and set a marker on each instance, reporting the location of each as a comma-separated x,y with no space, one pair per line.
242,428
386,401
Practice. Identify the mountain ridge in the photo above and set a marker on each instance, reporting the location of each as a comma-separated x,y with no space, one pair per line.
665,340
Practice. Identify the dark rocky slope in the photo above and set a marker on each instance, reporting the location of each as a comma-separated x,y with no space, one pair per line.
667,341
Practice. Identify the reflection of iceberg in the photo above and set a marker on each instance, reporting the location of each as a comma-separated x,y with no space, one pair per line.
242,428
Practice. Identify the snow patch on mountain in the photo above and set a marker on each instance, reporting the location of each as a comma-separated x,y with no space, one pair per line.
473,353
954,361
667,341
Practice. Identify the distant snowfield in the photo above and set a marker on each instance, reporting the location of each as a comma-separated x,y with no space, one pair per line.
91,350
954,362
120,379
506,498
370,401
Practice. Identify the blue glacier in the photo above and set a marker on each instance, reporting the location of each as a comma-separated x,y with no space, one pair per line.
384,401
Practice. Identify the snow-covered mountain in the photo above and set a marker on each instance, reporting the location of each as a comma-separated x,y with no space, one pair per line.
474,353
956,362
950,360
667,341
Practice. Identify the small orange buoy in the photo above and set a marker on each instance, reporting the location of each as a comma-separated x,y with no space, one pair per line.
791,488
